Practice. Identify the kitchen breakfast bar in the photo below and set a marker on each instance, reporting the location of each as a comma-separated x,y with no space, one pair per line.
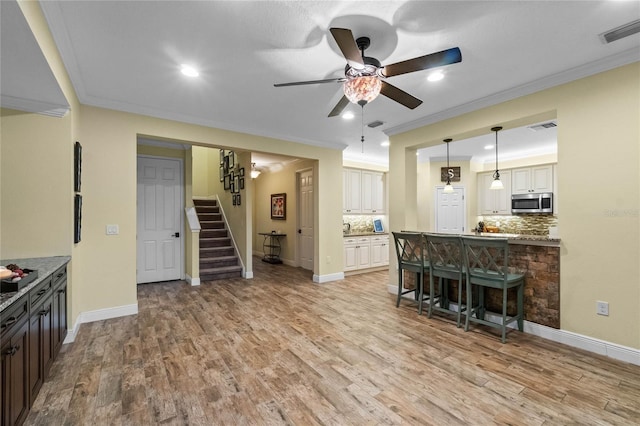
535,256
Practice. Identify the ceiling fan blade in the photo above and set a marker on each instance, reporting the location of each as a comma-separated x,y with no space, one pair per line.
342,103
301,83
348,46
438,59
400,96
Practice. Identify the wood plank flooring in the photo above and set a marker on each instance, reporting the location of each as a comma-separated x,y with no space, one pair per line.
279,349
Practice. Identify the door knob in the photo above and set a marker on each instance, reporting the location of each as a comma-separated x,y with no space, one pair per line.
177,235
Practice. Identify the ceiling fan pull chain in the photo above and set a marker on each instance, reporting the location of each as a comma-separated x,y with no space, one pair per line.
362,137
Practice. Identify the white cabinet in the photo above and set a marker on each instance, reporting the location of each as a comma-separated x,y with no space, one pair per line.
357,253
494,201
532,179
362,191
379,251
351,191
366,252
372,184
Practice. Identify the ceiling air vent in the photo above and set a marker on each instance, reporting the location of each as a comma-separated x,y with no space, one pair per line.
375,124
621,32
542,126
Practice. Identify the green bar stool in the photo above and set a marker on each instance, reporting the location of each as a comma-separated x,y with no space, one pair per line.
410,249
487,266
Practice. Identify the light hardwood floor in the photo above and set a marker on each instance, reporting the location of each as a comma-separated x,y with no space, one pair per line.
279,349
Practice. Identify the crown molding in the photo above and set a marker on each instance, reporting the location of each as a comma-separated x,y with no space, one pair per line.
30,105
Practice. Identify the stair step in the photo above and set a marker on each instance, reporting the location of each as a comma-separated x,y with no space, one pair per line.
212,224
207,209
207,202
215,242
218,262
213,233
203,217
220,251
220,273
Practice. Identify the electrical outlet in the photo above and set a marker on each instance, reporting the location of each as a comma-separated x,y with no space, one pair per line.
602,308
112,230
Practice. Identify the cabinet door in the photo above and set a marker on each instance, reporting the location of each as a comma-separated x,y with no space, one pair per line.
542,179
350,257
521,181
40,346
15,380
503,196
379,251
486,196
351,191
372,192
59,316
364,255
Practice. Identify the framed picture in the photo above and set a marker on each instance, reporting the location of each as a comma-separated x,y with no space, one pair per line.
225,164
222,173
241,171
241,181
234,199
452,173
238,199
222,157
232,159
279,206
227,182
377,226
232,187
77,166
236,183
77,218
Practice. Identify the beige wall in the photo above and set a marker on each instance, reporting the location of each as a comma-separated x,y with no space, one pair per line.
283,181
598,159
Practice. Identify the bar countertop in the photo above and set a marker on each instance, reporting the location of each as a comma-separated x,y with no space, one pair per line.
45,267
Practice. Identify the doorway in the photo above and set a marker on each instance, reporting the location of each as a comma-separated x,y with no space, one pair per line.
450,210
305,219
159,220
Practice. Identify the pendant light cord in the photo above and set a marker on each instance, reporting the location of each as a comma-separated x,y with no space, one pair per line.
496,174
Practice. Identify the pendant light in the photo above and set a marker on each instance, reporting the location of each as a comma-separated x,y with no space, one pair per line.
497,183
448,189
254,172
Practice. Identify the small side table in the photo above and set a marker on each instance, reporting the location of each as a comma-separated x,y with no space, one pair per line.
271,247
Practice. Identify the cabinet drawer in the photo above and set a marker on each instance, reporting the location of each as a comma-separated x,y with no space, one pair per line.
40,292
12,316
59,276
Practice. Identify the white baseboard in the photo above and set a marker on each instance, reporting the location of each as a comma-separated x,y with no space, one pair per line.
591,344
320,279
192,281
247,275
99,315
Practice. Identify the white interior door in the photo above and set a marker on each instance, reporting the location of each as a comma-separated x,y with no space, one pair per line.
159,239
450,211
305,219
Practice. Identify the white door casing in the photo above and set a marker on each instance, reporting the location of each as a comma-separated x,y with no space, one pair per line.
159,223
450,211
305,219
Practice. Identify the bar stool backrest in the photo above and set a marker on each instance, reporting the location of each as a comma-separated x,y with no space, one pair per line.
445,252
409,248
486,257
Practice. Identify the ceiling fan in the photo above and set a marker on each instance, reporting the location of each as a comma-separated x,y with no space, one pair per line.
365,77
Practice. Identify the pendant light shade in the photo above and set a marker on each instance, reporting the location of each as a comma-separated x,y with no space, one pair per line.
448,189
497,183
254,172
365,88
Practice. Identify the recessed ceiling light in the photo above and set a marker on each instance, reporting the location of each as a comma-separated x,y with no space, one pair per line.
348,115
385,143
435,76
488,147
189,71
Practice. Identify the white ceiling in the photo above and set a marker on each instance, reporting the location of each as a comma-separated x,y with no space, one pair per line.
125,55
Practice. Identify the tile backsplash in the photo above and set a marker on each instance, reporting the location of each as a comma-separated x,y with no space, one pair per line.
361,223
527,224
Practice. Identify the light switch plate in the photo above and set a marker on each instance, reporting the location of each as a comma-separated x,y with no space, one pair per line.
112,230
602,308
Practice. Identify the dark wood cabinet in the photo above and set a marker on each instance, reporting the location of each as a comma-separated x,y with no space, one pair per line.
15,369
32,331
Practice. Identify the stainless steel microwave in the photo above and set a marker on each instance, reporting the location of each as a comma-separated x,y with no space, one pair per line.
532,203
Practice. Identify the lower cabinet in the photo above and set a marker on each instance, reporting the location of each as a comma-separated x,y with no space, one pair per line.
32,331
366,252
15,375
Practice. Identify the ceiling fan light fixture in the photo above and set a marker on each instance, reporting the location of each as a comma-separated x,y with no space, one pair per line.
436,76
189,71
362,89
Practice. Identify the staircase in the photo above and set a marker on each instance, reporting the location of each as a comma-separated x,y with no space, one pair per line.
218,259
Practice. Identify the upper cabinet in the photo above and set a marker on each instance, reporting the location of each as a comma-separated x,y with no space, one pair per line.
494,201
532,179
362,191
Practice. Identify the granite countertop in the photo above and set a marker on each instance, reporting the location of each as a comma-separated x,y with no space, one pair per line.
363,234
516,236
45,267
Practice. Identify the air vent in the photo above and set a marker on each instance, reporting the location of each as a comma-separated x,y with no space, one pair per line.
621,32
375,124
543,126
